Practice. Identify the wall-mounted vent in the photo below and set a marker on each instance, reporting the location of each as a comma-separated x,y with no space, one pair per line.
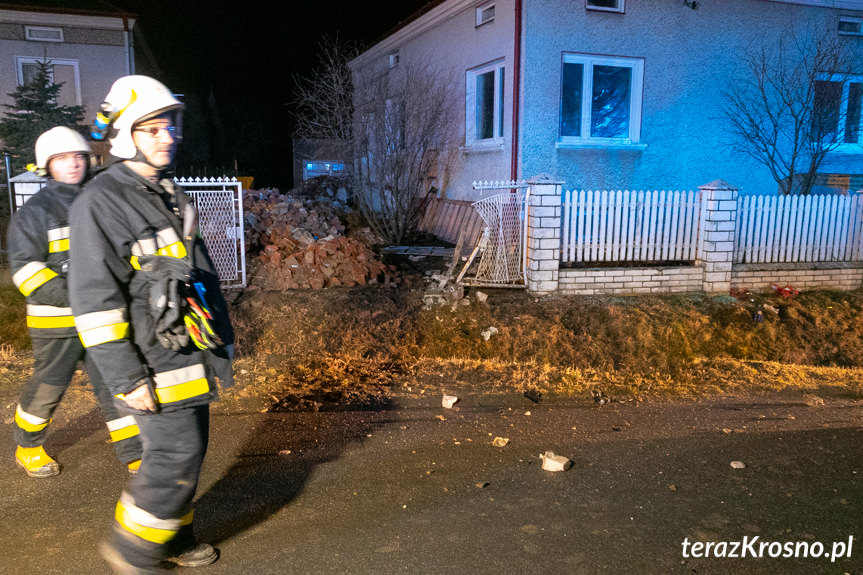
850,26
484,14
42,34
604,5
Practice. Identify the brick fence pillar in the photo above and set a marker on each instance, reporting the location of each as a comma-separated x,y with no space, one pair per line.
719,207
543,235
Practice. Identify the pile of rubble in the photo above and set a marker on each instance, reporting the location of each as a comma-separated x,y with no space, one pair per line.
301,244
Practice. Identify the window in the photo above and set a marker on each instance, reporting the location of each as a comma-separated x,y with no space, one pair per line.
836,118
484,111
61,71
484,14
394,59
322,168
601,100
42,34
604,5
850,26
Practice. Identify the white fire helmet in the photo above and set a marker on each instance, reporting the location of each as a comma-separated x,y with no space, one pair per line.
131,100
56,141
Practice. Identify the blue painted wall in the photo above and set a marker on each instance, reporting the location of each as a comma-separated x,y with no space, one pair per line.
690,56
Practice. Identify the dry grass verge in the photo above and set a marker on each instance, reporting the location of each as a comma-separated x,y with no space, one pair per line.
373,339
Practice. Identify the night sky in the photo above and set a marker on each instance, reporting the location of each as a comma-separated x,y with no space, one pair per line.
235,63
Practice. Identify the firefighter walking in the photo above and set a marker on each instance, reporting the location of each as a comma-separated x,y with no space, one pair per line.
148,308
38,241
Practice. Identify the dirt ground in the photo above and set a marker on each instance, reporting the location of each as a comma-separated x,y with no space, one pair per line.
349,348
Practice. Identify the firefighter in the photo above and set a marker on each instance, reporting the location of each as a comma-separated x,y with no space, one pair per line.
39,259
149,309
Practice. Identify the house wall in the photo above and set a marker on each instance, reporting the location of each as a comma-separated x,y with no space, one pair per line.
447,37
96,43
689,58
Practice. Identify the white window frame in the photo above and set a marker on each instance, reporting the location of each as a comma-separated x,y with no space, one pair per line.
635,100
29,29
847,80
471,140
853,20
21,60
480,14
619,9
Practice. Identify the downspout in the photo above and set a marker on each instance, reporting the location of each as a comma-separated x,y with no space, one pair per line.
516,82
516,86
127,45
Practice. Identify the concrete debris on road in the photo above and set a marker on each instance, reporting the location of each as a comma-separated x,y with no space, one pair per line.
552,462
738,465
449,401
500,441
482,484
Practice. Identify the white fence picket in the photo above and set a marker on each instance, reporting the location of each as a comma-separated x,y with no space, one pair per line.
630,225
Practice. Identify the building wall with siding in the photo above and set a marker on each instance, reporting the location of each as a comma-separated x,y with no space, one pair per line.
97,43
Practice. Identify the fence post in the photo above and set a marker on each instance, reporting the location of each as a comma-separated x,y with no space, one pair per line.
543,235
719,209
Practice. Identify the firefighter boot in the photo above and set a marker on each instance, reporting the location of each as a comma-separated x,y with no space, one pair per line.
36,462
122,567
198,556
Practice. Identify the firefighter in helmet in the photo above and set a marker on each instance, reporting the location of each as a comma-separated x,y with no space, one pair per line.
39,259
149,309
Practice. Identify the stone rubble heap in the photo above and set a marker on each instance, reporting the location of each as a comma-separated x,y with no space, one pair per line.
301,244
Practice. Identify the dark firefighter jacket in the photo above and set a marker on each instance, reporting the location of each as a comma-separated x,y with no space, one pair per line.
118,218
38,243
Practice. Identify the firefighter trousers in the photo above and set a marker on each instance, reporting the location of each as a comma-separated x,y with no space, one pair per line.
153,518
54,363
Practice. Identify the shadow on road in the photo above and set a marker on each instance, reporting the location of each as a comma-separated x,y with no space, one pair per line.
275,462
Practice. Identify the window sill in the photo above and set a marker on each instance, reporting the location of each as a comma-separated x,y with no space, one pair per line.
847,149
481,147
599,146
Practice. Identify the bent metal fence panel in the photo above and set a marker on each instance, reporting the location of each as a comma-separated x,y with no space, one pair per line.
501,246
220,215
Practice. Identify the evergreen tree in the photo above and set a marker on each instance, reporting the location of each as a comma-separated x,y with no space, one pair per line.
35,111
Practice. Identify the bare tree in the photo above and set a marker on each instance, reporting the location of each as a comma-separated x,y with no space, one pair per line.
786,112
405,142
324,100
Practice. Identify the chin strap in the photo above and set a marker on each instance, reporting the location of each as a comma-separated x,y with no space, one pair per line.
140,157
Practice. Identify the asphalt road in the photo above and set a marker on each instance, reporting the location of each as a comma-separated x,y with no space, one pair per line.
415,488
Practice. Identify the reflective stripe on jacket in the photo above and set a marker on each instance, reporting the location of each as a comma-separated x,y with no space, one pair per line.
38,241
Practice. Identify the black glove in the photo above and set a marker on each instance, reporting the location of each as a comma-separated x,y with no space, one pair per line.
168,277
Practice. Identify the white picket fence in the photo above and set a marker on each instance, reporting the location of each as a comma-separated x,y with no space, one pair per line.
627,226
798,229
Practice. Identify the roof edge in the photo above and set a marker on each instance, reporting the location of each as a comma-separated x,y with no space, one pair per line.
119,13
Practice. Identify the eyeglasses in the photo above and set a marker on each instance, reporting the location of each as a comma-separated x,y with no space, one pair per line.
154,131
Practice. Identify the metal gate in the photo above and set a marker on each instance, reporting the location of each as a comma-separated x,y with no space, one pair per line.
502,245
220,214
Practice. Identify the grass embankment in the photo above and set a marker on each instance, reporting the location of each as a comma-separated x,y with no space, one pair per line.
356,341
630,346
